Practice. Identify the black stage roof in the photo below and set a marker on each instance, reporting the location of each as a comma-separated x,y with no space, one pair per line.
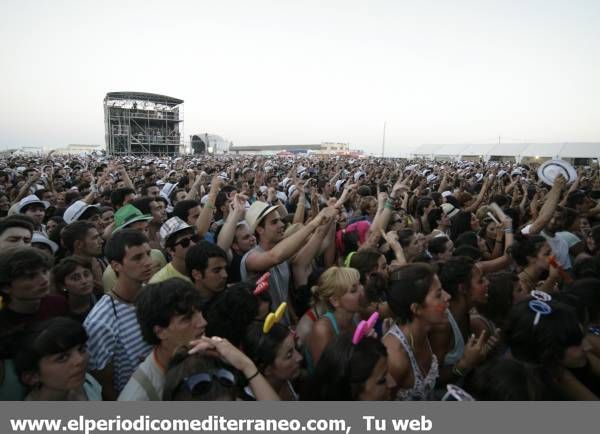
144,96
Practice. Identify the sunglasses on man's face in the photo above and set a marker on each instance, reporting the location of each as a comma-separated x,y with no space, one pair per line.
185,242
200,383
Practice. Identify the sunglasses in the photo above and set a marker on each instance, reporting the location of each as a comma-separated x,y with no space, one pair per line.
200,383
185,242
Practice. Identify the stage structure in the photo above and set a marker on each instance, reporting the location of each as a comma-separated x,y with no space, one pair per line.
209,144
199,144
138,123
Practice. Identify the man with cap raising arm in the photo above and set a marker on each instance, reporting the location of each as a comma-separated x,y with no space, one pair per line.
273,251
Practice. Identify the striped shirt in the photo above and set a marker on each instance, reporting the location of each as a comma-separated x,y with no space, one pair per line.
115,336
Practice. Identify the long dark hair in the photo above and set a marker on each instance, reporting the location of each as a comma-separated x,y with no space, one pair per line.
46,338
525,247
456,271
545,343
500,297
460,223
410,284
262,347
343,369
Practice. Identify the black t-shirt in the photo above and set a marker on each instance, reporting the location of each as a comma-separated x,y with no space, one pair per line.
233,271
12,323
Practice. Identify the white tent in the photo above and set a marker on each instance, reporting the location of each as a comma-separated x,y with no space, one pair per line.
580,150
475,149
550,150
516,150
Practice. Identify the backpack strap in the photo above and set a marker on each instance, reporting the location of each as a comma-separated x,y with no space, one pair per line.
144,381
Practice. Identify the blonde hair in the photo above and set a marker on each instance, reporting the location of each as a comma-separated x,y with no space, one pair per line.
334,281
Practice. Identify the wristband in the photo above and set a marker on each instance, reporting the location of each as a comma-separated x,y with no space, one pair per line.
253,376
209,205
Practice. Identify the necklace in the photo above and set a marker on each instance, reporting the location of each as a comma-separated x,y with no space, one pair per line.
118,297
411,340
411,343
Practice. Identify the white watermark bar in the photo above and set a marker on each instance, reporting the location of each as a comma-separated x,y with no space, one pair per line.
291,417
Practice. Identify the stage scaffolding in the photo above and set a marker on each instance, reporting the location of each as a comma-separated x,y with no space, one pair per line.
138,123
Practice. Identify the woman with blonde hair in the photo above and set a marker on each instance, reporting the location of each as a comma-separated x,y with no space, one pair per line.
337,298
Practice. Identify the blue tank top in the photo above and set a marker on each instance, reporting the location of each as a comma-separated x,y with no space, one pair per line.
459,343
310,366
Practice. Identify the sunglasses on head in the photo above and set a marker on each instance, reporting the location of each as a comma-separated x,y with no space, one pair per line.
185,242
200,383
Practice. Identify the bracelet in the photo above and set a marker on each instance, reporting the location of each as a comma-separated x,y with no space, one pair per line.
508,230
389,204
209,205
253,376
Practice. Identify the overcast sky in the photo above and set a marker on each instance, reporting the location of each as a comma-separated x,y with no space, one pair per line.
291,72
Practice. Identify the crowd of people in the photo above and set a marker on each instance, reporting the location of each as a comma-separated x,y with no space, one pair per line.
296,278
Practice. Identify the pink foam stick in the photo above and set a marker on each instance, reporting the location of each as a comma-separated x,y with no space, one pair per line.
360,332
373,320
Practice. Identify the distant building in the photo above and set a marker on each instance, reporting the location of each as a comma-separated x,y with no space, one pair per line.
24,150
79,149
325,148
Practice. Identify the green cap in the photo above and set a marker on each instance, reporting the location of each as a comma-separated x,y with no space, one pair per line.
127,215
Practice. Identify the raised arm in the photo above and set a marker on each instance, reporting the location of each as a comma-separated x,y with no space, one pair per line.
503,261
206,215
223,349
444,183
382,218
274,200
573,188
25,190
302,261
195,188
283,250
126,179
227,233
550,204
392,239
299,214
312,248
484,189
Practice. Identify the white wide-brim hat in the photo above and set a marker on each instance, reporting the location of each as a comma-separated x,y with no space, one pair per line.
548,171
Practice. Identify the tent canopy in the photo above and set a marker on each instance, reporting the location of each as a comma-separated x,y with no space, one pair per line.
551,150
